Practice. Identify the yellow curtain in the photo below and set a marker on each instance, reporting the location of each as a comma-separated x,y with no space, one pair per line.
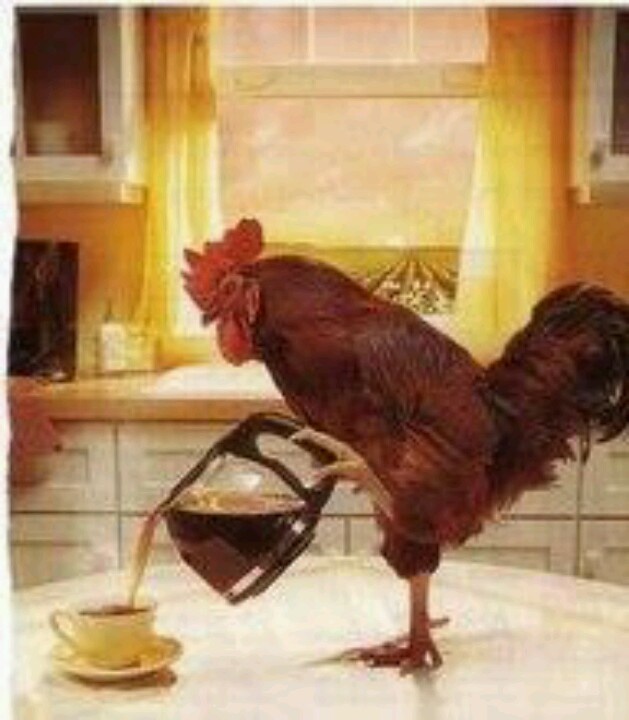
180,113
518,214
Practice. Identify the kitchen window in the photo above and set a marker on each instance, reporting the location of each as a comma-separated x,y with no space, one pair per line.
350,133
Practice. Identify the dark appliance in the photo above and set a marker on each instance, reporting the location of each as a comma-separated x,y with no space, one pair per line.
43,330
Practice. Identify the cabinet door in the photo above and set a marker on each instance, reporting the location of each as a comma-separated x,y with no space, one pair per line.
557,499
78,120
81,476
534,544
344,501
153,456
606,550
365,537
331,537
45,548
600,122
606,490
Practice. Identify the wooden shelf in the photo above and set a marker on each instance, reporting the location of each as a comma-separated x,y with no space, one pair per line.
72,192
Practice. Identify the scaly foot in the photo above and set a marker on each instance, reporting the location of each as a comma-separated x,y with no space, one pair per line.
402,652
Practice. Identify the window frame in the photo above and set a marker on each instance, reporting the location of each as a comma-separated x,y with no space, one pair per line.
310,78
355,80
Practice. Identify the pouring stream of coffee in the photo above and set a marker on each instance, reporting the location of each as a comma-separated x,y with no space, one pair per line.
141,554
145,539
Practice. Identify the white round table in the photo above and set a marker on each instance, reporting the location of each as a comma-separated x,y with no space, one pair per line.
519,645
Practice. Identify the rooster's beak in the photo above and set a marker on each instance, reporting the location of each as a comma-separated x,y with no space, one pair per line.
205,301
208,318
210,311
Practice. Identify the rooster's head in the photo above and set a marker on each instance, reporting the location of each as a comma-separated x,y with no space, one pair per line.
212,278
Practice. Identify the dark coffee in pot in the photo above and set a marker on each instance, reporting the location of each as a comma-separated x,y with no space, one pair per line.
229,537
232,531
234,504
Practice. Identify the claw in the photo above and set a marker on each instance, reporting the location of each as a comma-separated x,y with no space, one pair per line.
349,465
407,656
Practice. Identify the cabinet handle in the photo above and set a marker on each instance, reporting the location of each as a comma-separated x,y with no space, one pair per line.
592,560
108,152
598,155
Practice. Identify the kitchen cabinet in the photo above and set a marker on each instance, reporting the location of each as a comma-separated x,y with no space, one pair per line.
537,533
332,537
79,104
605,540
55,546
600,116
606,550
79,477
153,456
558,500
87,501
533,544
606,487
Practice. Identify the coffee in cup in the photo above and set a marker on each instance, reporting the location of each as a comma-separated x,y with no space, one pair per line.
111,634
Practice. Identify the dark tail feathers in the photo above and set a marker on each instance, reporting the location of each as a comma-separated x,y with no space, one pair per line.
564,374
594,322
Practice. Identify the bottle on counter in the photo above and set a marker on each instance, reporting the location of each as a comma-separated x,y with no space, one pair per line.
112,345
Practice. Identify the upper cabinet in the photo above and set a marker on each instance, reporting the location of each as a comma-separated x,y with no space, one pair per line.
79,91
601,105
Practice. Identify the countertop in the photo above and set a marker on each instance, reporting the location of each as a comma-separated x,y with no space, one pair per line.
520,645
202,392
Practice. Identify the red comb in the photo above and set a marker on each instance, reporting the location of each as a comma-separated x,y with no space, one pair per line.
238,246
244,242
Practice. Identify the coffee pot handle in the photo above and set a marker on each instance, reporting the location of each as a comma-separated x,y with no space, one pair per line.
242,441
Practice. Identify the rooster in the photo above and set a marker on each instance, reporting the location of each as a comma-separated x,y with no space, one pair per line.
440,442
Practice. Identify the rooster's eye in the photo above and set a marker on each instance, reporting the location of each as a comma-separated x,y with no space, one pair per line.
229,288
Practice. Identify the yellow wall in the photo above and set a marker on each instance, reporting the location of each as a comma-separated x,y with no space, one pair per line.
110,241
596,249
599,244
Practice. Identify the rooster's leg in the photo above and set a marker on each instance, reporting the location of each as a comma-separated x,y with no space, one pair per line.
414,651
417,650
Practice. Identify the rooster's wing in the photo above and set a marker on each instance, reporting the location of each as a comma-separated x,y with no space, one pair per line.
435,434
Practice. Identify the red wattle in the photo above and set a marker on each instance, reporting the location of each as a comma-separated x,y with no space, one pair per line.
234,341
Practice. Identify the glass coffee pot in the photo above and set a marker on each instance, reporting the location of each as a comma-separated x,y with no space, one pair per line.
247,509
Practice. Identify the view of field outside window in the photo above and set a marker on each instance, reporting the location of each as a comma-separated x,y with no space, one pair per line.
374,177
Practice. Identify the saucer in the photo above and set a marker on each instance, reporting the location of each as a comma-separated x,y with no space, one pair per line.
162,652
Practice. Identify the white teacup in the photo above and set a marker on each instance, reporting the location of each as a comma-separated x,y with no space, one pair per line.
109,634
